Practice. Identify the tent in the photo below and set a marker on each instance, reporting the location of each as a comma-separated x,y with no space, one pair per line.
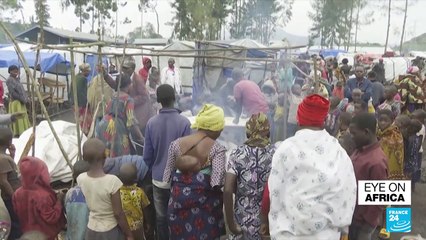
184,63
214,66
331,52
48,61
395,66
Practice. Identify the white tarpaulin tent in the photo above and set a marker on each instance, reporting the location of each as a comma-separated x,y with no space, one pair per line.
184,63
395,66
47,149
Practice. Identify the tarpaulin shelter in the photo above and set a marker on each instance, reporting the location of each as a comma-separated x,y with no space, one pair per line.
395,66
48,61
184,63
331,52
217,59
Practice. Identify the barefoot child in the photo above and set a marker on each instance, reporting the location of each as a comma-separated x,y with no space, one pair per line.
76,206
133,200
392,144
9,180
106,219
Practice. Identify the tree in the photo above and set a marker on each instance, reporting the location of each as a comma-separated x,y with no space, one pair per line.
330,21
259,18
42,13
147,32
199,19
100,9
388,28
9,4
333,21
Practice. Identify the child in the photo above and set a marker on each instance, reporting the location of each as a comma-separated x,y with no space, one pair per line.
294,100
37,206
333,116
402,121
102,194
133,200
419,115
390,103
76,207
360,107
338,91
9,180
411,149
344,122
392,144
356,98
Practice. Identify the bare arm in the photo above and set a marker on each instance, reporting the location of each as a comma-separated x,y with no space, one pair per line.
5,185
229,190
119,215
108,79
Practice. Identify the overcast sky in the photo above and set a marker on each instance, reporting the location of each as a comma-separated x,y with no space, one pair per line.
299,25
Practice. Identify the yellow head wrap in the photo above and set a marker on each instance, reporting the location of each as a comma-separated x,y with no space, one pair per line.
210,118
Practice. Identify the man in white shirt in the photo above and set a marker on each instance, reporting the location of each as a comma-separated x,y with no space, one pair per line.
312,186
170,75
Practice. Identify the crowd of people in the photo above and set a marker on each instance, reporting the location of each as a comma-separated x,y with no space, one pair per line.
295,184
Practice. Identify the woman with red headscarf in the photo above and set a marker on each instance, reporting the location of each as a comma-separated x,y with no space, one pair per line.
144,71
36,204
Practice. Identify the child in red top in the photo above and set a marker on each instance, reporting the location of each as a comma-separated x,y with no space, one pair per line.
38,207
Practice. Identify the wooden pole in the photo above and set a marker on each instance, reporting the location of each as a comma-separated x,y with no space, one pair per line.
316,82
118,96
76,110
33,99
43,107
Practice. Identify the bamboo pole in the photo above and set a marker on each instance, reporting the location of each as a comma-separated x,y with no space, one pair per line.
316,82
118,96
76,110
43,107
100,63
33,100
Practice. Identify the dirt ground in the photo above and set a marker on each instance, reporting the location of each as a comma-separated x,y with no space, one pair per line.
418,199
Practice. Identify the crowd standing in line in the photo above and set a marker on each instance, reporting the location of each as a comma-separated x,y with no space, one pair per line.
356,128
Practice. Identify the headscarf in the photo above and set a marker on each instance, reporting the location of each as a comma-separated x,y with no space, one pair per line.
312,111
413,70
258,130
144,72
84,67
34,174
210,117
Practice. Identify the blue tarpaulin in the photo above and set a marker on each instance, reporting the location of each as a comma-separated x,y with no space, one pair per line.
331,52
92,60
48,61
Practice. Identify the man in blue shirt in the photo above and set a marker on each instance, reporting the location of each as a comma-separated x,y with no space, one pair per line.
160,131
359,82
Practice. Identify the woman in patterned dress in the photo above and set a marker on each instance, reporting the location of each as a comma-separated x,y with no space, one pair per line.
392,144
196,169
247,172
115,131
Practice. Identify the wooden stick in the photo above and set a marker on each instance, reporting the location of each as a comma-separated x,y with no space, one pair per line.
316,82
27,147
76,107
43,107
33,105
118,97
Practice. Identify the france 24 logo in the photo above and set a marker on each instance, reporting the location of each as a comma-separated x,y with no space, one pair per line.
398,219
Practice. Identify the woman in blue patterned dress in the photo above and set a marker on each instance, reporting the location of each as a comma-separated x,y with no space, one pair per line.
247,173
196,169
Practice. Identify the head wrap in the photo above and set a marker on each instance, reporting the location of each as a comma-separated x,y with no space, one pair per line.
34,173
258,130
312,111
413,70
84,67
210,118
